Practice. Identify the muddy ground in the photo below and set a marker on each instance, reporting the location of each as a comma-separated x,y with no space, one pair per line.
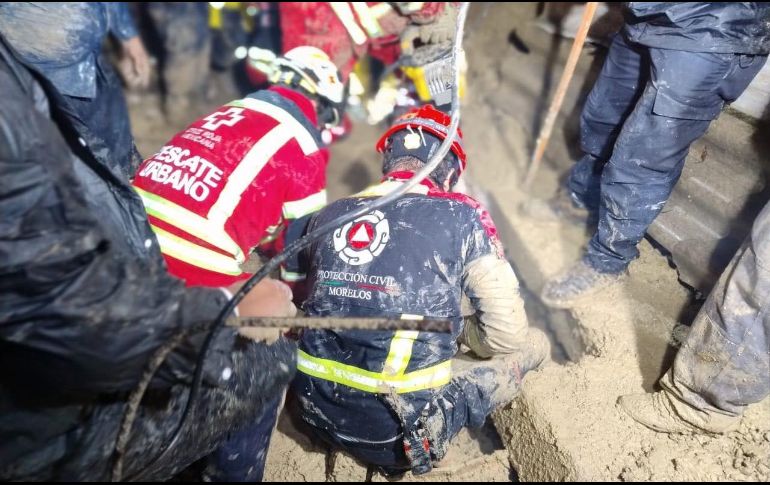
508,81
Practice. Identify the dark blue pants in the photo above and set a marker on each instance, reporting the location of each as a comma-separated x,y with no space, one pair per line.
639,120
183,29
242,457
106,115
466,401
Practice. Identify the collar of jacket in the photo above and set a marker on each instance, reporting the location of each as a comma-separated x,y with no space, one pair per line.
406,175
302,102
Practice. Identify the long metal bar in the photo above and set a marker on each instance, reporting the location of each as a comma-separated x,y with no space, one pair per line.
392,324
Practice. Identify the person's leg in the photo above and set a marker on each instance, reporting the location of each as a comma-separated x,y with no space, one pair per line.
476,389
686,91
723,365
611,100
183,28
380,445
242,457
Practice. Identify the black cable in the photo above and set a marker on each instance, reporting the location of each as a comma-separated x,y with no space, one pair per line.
302,243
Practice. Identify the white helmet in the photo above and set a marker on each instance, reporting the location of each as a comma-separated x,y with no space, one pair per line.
311,70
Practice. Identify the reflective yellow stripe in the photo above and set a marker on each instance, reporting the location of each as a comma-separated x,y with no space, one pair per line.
291,276
375,382
259,155
367,19
388,186
343,12
190,253
400,352
380,10
308,205
190,222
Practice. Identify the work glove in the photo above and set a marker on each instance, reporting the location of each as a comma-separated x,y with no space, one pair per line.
442,29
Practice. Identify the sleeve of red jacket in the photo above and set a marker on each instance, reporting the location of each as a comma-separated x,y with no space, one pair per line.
305,195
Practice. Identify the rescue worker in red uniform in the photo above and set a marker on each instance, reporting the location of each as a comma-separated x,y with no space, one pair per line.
245,176
348,30
396,399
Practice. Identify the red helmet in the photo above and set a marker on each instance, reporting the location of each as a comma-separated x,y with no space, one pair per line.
431,120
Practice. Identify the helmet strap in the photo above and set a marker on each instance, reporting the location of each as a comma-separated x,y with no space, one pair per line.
329,114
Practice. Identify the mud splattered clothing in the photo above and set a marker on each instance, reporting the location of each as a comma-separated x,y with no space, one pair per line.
349,30
648,105
63,41
246,176
724,364
724,27
370,392
185,55
85,303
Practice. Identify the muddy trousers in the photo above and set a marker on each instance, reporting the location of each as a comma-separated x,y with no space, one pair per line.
467,400
723,364
184,31
646,108
242,457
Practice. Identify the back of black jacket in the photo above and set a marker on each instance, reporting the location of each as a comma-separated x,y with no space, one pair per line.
85,301
721,27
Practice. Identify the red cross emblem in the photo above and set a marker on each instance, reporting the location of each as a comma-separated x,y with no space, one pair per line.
228,117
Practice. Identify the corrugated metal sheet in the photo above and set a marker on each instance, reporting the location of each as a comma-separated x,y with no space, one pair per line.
723,187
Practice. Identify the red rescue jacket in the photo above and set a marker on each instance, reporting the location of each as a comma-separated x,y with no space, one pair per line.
235,181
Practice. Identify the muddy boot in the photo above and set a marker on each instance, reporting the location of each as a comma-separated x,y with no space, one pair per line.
579,281
664,413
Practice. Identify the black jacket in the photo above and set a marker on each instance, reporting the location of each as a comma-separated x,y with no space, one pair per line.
408,258
722,27
85,301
